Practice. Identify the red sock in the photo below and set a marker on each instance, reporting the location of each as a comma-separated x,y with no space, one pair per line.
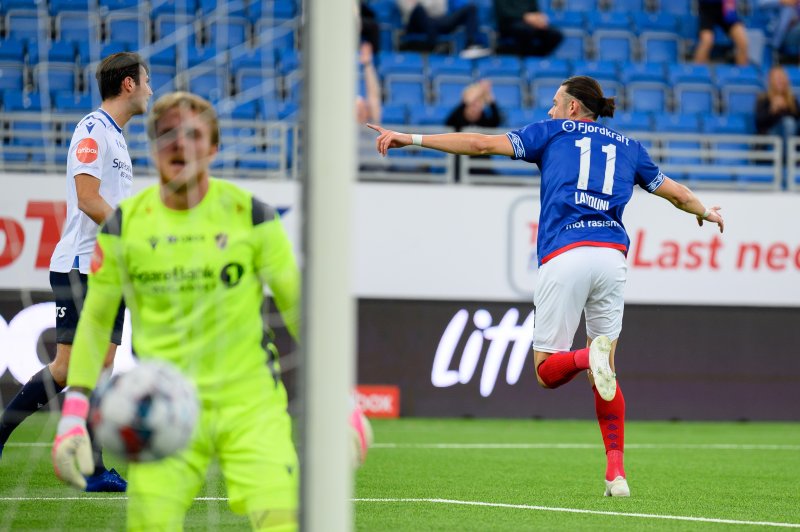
611,417
560,368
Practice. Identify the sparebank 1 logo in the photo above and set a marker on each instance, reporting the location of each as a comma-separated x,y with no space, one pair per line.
493,338
19,340
523,226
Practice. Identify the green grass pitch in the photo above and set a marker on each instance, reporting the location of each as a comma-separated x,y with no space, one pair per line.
430,474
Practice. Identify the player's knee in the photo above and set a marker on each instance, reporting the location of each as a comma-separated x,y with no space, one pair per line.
273,520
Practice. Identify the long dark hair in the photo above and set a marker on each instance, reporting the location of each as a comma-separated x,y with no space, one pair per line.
588,92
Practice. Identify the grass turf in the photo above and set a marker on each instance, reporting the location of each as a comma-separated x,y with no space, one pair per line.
527,477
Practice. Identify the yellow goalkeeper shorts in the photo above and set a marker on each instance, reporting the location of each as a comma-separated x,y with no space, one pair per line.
252,441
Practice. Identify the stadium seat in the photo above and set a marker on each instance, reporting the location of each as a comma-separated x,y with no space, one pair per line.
206,56
60,6
626,6
509,92
689,73
739,99
164,57
57,52
728,75
12,51
447,90
440,64
661,47
394,114
177,29
288,61
8,5
602,20
498,66
614,45
172,8
517,118
572,47
538,67
27,26
113,5
729,124
633,72
625,122
676,7
390,63
543,90
127,27
647,97
14,101
244,110
568,20
228,33
680,123
658,22
429,115
253,58
268,35
72,102
77,26
11,77
162,79
599,70
210,86
230,8
585,6
695,98
253,79
51,77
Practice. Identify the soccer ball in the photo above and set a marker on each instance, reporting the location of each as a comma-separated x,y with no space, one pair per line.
145,414
361,436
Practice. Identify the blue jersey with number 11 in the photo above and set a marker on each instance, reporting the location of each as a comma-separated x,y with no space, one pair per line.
588,174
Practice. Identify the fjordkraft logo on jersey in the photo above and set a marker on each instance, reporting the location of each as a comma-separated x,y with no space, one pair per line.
379,401
87,151
568,126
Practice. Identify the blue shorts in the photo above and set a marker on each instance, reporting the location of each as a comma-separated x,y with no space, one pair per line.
69,290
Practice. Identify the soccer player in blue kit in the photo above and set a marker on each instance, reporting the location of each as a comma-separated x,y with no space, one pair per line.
588,174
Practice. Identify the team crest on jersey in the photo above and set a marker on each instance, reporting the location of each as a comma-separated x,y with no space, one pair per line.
222,240
97,258
87,151
568,126
153,242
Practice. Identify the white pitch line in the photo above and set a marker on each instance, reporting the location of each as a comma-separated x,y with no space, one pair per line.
593,512
707,446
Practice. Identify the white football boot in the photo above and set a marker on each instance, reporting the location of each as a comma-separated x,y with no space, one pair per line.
617,488
604,379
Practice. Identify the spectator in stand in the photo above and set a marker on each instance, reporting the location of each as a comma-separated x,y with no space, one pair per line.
777,110
720,13
521,22
783,26
433,18
477,109
368,109
369,29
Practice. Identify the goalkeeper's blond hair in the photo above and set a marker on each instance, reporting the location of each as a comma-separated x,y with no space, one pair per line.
185,100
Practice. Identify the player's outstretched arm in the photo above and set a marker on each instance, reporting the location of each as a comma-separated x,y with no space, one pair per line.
72,450
684,199
457,143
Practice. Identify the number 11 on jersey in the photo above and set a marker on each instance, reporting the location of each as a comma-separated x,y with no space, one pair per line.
585,144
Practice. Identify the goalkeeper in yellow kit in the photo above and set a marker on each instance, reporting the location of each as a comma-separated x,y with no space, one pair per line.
191,256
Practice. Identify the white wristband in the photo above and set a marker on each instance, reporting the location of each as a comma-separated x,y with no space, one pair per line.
416,140
706,214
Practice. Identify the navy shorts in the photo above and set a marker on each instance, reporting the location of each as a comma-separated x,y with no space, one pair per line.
69,290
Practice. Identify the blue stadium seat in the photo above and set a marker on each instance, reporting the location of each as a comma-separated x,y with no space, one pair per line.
695,98
227,34
127,27
11,77
387,13
28,133
8,5
406,88
14,101
69,101
288,61
12,51
517,118
539,67
394,114
633,72
206,56
254,58
245,110
614,45
585,6
568,20
600,70
572,47
509,92
390,63
113,5
660,22
543,90
177,29
77,26
429,115
447,90
250,79
729,124
647,97
498,66
440,64
676,7
172,8
60,6
689,73
727,75
604,20
661,47
276,37
271,9
739,99
626,122
164,57
59,52
626,6
679,123
27,26
162,79
229,8
210,86
53,77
